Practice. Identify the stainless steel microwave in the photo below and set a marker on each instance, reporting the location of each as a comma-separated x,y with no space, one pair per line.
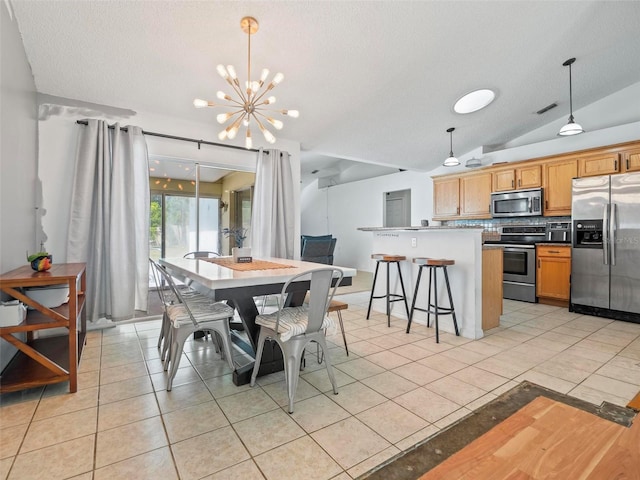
517,203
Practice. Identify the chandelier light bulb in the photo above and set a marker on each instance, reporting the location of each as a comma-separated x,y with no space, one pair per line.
223,117
222,71
248,102
276,123
268,136
199,103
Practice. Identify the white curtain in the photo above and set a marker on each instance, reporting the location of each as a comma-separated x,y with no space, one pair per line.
109,226
272,215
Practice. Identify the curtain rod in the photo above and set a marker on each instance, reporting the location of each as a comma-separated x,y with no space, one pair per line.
183,139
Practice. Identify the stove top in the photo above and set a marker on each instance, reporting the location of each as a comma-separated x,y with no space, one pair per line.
520,234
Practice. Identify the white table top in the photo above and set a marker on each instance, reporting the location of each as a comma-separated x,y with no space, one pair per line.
215,276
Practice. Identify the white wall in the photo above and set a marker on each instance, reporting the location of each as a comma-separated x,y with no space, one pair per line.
18,134
57,147
341,209
360,204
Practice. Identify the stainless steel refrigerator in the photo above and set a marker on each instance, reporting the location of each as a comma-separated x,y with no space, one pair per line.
605,254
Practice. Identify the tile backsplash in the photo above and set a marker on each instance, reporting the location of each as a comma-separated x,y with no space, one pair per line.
493,224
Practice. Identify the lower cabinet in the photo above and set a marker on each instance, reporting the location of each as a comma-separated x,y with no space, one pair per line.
553,274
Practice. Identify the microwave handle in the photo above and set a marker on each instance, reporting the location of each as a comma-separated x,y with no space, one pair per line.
530,205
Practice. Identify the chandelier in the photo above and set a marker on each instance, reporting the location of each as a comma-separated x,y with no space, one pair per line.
249,106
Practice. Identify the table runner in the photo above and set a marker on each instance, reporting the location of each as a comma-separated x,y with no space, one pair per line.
248,266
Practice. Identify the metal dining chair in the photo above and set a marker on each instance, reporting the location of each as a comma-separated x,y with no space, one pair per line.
189,313
201,254
293,328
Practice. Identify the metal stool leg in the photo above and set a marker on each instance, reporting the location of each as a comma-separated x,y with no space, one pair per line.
404,294
373,287
342,328
429,298
388,298
435,293
453,312
415,296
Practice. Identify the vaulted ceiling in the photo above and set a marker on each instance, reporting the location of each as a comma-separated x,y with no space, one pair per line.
374,81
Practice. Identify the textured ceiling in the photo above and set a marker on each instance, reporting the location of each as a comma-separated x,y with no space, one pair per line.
374,81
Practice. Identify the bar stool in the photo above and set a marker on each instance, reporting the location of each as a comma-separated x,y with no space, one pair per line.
391,297
336,306
433,265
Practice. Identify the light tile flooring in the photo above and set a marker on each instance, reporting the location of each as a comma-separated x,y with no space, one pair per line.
395,390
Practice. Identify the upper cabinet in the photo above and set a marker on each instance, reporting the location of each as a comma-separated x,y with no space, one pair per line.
557,186
475,195
604,164
468,195
465,196
631,160
529,176
446,197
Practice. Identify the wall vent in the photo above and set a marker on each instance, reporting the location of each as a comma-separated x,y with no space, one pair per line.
547,108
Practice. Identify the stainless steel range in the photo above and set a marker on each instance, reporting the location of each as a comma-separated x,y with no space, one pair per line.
519,271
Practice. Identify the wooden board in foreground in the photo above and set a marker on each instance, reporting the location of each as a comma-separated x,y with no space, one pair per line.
547,439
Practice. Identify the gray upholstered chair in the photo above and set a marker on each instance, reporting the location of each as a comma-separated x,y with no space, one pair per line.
293,328
317,249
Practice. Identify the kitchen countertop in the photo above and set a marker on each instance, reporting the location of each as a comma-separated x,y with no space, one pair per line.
553,244
420,228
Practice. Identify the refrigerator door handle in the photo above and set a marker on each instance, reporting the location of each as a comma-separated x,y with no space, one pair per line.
612,233
605,235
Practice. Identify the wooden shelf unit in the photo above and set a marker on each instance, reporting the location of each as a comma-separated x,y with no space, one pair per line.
53,359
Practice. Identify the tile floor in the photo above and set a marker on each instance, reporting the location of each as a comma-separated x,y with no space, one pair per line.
394,391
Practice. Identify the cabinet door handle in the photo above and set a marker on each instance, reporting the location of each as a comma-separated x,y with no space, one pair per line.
519,182
554,251
457,210
615,165
627,164
546,204
511,183
538,263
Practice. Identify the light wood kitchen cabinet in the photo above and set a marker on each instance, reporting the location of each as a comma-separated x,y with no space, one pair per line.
446,197
557,186
553,274
475,196
631,160
529,176
607,164
492,269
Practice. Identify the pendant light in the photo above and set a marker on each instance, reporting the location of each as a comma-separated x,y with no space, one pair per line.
571,128
451,161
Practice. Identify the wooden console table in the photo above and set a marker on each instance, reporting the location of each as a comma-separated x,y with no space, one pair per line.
41,361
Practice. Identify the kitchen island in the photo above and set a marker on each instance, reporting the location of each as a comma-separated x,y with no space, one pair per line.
476,278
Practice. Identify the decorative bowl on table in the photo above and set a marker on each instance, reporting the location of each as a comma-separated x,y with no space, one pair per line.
41,263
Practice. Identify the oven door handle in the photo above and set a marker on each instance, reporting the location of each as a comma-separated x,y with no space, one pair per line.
513,246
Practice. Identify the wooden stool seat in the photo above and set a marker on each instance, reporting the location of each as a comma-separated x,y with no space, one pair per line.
433,262
383,257
336,306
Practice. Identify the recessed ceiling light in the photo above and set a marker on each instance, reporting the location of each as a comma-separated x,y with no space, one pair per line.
474,101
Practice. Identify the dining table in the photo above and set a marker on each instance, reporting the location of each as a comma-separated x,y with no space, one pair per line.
240,284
